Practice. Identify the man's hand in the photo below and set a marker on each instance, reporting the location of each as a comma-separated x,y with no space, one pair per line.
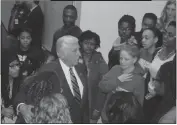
125,77
25,110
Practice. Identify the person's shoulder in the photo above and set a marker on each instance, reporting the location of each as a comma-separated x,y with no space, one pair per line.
51,66
58,31
157,50
34,51
38,8
115,68
116,42
81,67
98,56
78,28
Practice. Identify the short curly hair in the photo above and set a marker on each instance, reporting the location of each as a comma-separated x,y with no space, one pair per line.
129,19
88,35
52,109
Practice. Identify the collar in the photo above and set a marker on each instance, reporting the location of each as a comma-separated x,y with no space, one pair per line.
64,65
33,8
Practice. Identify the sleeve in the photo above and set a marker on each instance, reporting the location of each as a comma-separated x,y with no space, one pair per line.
139,90
20,98
109,81
85,108
53,49
75,32
113,57
36,20
103,66
169,117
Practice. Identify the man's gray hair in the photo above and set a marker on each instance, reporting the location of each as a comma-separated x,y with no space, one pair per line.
65,41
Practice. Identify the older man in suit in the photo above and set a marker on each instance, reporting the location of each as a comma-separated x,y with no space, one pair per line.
72,82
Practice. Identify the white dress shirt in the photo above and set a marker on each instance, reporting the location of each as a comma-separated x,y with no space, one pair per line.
68,78
31,11
33,8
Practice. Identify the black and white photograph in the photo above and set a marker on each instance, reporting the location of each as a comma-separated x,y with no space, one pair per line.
88,62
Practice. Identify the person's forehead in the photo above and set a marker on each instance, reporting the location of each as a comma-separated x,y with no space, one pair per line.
25,34
148,32
92,40
125,24
69,11
148,21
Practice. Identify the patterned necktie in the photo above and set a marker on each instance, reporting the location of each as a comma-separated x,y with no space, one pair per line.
75,86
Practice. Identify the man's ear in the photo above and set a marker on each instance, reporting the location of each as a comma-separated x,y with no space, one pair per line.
135,60
18,38
156,39
61,54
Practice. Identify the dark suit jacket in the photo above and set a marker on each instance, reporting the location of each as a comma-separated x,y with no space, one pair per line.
79,113
35,21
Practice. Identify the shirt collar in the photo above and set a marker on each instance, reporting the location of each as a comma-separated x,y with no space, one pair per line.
64,65
33,8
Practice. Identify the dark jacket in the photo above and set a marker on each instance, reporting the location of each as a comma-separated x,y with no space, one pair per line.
34,58
79,113
73,31
96,68
19,13
35,21
167,75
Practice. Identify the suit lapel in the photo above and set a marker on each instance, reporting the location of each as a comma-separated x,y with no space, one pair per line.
83,80
65,90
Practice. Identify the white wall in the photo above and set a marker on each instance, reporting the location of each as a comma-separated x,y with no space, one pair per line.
52,20
6,6
102,17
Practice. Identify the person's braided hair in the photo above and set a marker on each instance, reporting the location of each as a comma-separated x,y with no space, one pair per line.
39,86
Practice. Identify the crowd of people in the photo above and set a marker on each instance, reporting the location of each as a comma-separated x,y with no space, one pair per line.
74,84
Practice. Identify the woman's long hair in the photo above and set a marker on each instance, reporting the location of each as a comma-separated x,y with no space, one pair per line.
52,109
7,58
163,18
